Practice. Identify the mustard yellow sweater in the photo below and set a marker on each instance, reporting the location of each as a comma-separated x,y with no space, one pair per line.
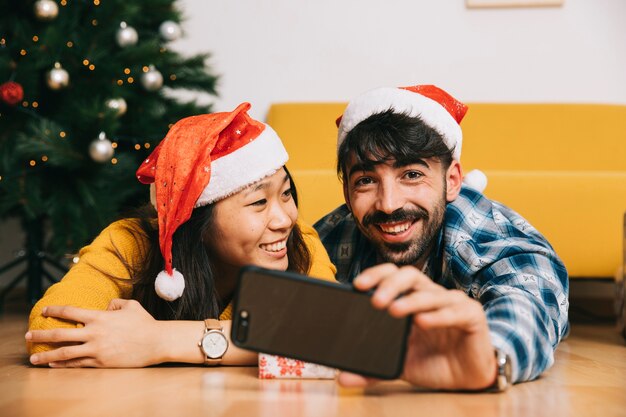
86,285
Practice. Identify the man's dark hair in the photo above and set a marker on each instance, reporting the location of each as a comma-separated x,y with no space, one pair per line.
392,136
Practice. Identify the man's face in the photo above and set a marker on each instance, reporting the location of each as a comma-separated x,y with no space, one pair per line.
400,208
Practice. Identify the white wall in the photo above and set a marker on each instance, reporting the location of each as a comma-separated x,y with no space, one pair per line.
331,50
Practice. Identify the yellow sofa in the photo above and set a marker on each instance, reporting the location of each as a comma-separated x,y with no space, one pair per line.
561,166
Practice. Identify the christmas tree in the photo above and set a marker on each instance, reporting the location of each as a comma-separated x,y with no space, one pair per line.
84,98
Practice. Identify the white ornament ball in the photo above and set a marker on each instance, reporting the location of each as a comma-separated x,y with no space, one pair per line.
152,79
170,31
101,150
126,35
118,105
57,78
46,10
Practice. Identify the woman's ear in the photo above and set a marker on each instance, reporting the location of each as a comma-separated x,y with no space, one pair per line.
454,178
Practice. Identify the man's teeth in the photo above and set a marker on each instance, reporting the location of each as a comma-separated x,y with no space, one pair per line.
396,228
275,247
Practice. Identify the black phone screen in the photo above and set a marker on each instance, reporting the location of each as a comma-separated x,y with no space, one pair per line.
327,323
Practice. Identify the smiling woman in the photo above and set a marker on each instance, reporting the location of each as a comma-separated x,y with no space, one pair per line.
221,199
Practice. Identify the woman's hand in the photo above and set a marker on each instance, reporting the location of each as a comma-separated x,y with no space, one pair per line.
123,336
449,346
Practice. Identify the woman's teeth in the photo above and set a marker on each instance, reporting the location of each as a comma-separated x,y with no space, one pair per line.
275,247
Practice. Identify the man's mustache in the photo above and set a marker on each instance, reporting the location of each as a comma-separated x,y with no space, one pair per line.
400,215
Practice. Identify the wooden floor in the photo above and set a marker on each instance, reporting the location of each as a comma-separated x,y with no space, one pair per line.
588,379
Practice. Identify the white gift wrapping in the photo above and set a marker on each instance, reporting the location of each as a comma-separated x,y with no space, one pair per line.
279,367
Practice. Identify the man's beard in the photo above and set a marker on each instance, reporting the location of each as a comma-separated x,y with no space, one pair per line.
412,251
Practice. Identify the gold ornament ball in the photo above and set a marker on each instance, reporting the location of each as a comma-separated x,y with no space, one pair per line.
46,10
126,35
118,105
152,80
101,150
170,31
57,78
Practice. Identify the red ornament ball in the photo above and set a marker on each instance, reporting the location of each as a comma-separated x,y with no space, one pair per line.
11,93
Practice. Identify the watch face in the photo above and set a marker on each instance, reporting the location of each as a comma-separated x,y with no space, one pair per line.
214,344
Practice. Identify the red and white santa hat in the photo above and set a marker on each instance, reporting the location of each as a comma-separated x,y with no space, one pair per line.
204,159
431,104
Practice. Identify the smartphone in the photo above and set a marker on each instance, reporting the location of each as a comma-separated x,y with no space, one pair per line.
332,324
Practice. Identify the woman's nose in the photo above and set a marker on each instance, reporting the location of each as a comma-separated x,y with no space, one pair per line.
281,217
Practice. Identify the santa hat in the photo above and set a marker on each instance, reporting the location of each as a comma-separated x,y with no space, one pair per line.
431,104
204,159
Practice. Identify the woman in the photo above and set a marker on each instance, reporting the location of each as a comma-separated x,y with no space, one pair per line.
223,199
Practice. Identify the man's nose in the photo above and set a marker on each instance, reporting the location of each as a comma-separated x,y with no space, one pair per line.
389,199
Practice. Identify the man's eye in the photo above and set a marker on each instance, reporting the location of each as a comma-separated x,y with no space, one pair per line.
412,175
363,181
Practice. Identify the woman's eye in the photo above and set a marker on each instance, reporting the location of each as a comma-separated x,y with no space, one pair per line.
261,202
288,192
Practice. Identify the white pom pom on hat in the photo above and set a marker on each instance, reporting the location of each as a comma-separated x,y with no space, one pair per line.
476,179
204,159
169,287
431,104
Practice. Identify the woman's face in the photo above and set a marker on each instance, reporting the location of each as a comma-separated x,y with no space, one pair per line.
252,226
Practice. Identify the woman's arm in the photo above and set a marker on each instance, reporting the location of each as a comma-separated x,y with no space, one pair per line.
88,284
126,336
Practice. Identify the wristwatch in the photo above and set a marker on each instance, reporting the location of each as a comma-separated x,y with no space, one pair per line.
504,376
213,343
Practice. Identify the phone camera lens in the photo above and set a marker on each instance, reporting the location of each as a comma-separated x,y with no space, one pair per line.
241,334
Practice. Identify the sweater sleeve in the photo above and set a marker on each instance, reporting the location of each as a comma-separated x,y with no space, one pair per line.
101,275
321,266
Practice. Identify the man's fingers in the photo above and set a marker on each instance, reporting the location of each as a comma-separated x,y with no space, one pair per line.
56,335
463,316
397,284
76,314
425,300
350,380
371,277
61,354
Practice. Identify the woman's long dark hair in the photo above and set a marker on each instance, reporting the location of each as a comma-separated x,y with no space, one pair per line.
200,299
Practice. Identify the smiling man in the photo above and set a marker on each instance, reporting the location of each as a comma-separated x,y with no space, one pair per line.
487,292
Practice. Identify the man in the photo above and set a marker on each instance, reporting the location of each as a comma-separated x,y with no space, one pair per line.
475,276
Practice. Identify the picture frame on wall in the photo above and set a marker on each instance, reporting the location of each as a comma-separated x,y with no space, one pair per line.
513,3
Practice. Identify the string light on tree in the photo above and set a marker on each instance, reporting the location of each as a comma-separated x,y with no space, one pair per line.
151,79
170,31
46,10
101,149
57,78
118,105
126,35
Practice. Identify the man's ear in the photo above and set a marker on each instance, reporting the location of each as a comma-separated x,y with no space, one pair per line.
454,179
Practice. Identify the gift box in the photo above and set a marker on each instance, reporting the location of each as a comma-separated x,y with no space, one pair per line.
277,367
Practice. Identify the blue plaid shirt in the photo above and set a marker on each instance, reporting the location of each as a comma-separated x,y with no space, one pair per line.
496,257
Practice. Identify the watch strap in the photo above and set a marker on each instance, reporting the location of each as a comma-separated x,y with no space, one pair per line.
209,325
503,376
